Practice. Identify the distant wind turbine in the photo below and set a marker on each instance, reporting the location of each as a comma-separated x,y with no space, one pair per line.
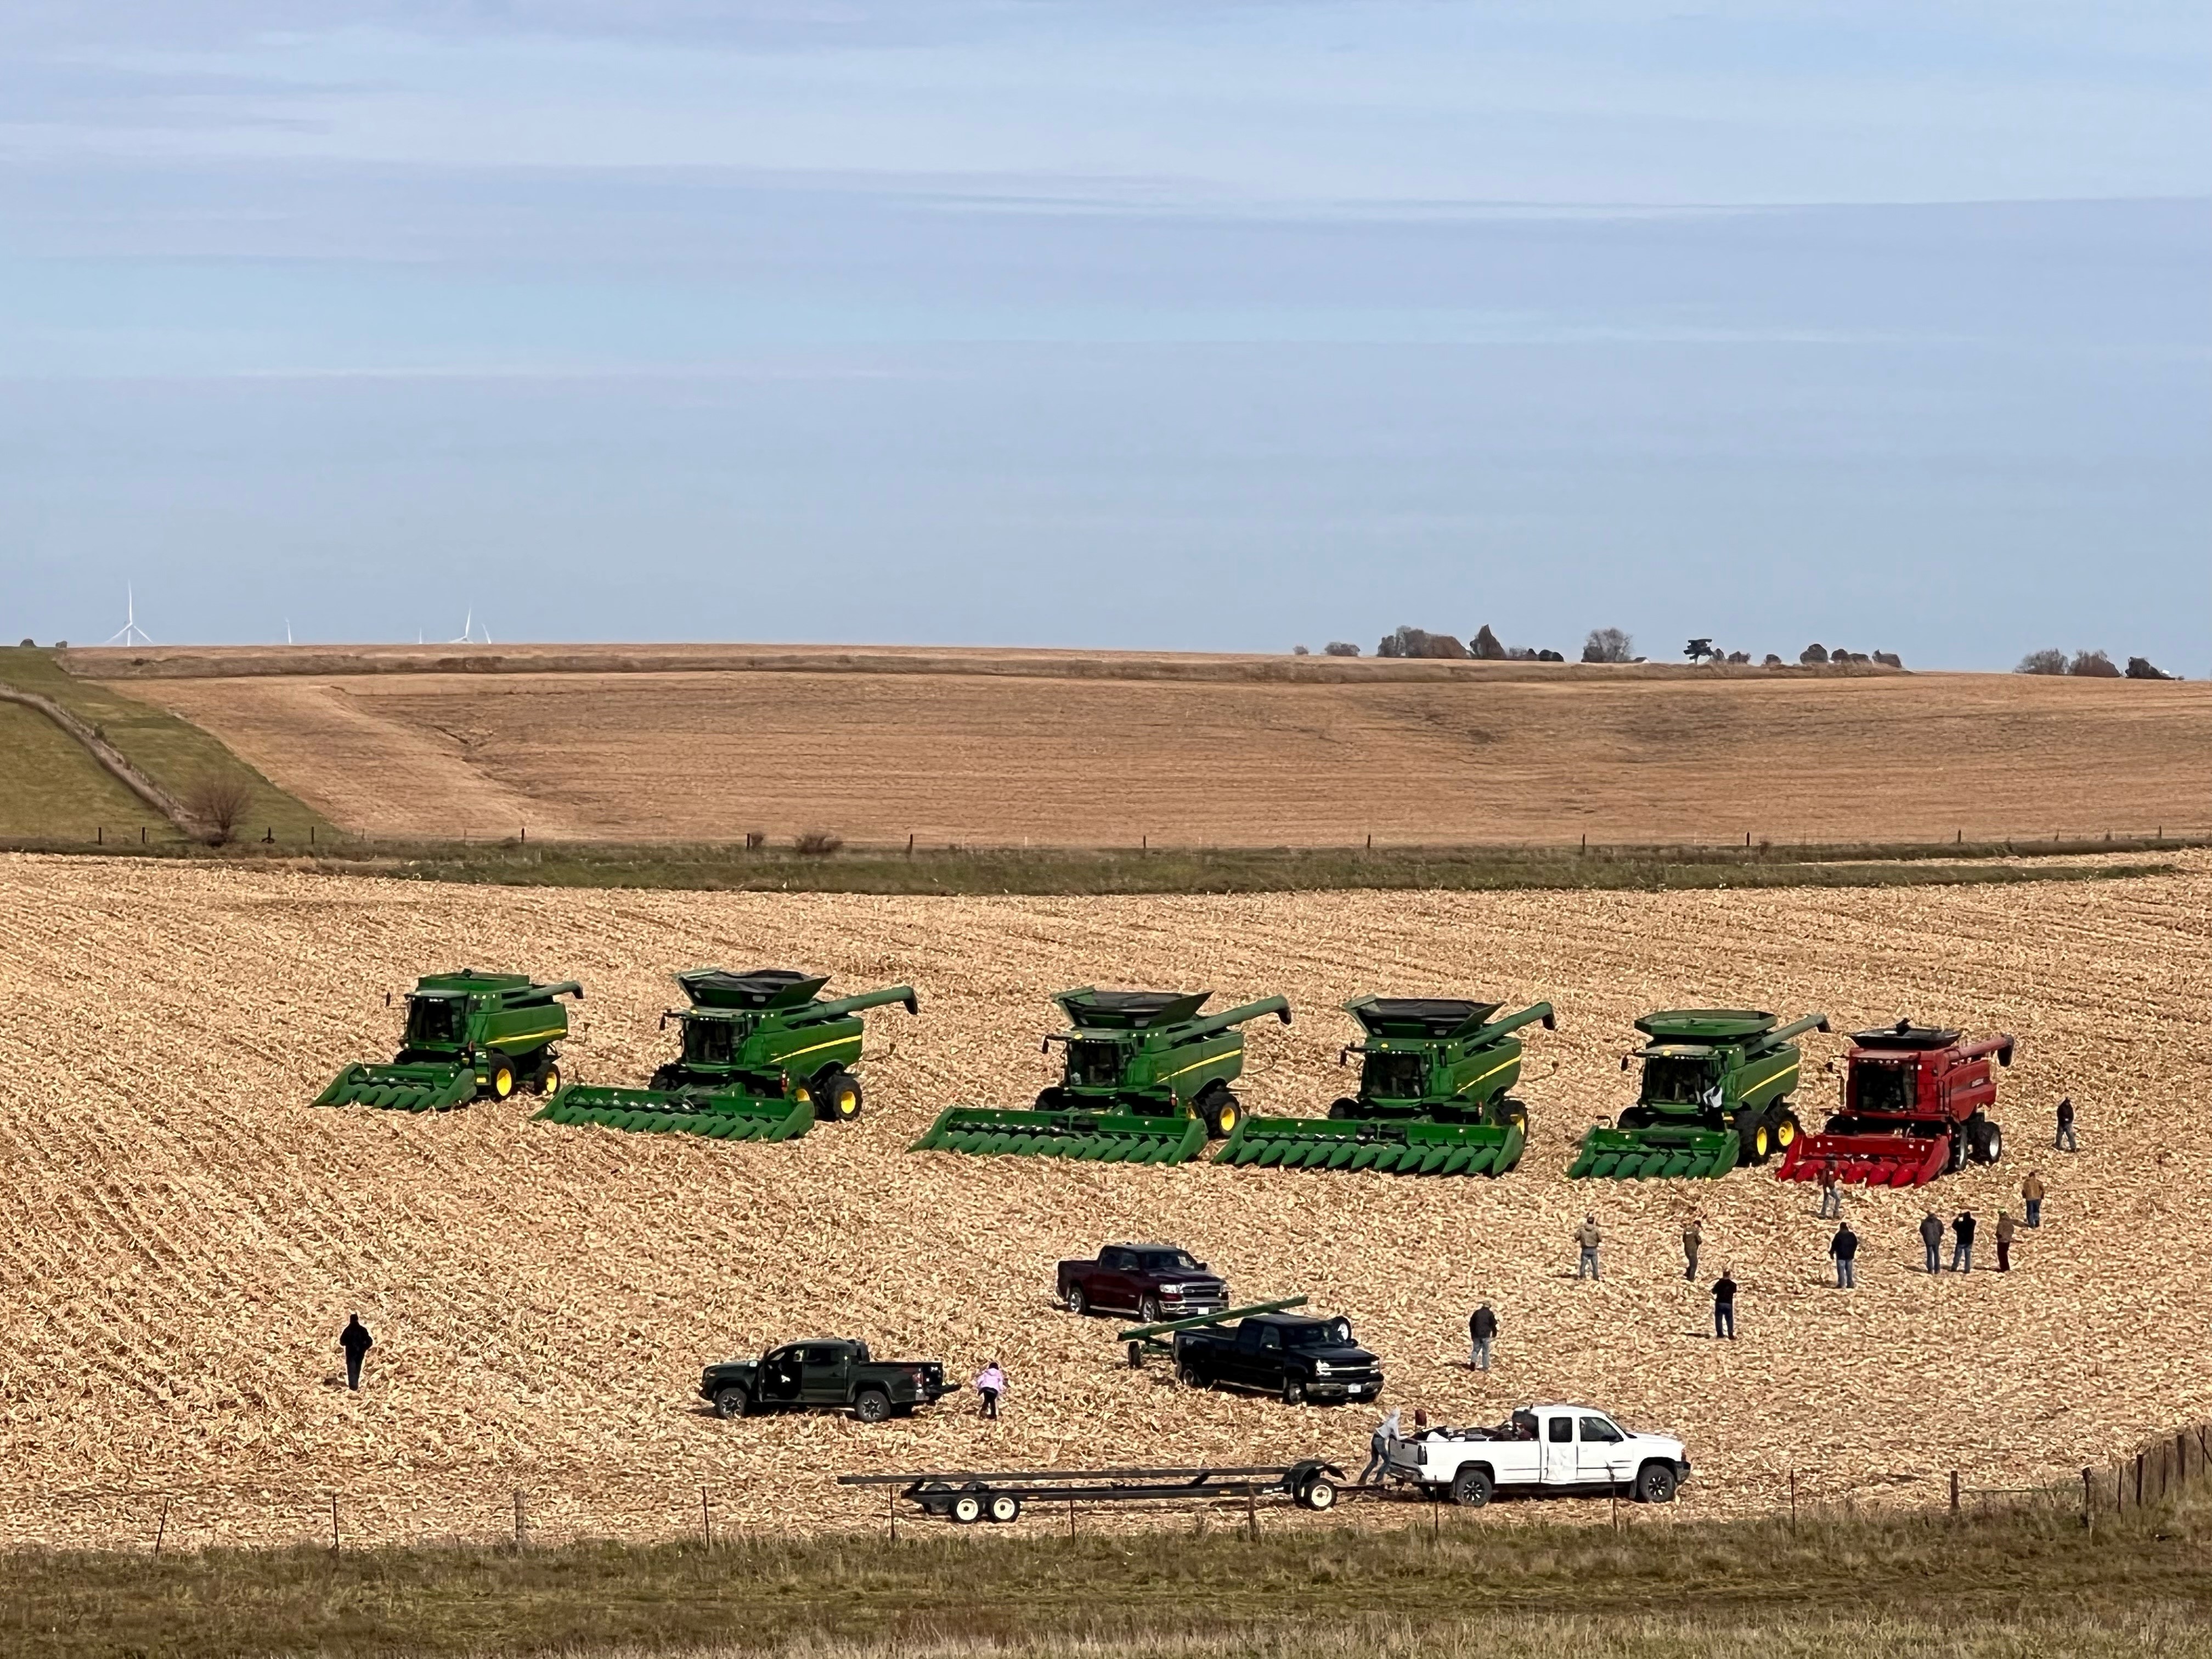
130,633
468,630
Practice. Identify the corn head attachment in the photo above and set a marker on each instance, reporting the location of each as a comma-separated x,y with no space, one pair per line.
1145,1080
1915,1103
1433,1076
467,1034
763,1058
1714,1094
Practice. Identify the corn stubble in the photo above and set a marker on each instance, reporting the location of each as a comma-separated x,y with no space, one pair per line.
185,1236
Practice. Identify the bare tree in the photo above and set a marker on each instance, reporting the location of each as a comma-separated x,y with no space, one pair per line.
817,843
2042,662
1340,648
1608,645
218,800
2093,666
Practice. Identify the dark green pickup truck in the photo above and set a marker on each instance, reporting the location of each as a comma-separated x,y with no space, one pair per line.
823,1374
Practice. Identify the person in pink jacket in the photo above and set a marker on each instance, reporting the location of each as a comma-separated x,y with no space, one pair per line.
991,1383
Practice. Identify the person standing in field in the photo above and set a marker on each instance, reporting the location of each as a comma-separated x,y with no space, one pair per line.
1587,1236
1843,1248
2031,1193
1931,1240
1962,1243
1724,1306
2065,1142
1690,1241
1831,1191
356,1342
991,1383
1378,1448
1481,1330
2006,1228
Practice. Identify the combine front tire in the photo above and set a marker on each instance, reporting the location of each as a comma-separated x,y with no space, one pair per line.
1755,1135
1342,1108
1984,1141
500,1077
1221,1112
1051,1100
1471,1488
731,1402
1655,1484
837,1098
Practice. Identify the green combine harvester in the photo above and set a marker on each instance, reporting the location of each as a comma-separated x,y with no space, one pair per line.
1716,1084
1433,1076
763,1060
468,1034
1146,1081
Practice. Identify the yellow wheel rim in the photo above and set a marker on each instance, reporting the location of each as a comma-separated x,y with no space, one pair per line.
847,1103
1759,1141
1228,1119
1784,1133
552,1079
503,1082
803,1094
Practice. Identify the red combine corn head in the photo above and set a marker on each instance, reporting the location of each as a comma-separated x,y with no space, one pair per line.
1915,1103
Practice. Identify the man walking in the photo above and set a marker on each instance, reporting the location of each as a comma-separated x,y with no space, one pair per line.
991,1383
1481,1326
2006,1228
1831,1191
1587,1236
1378,1449
1931,1240
2031,1193
1962,1243
356,1342
2066,1143
1724,1306
1845,1248
1690,1240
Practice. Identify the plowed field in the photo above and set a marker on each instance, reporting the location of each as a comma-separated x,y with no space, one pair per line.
184,1236
1491,753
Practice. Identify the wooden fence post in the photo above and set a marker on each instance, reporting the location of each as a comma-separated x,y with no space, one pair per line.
161,1527
706,1518
522,1526
1793,1502
2089,1500
334,1523
1954,1492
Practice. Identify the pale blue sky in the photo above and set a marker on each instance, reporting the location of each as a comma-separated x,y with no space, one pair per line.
1228,323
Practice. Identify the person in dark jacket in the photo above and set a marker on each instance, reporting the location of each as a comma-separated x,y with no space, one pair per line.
1931,1240
2007,1227
356,1342
1845,1248
1481,1327
1962,1243
2066,1143
1724,1306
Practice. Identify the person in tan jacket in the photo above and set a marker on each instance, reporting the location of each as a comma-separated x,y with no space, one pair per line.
1691,1239
1587,1236
2006,1228
2031,1193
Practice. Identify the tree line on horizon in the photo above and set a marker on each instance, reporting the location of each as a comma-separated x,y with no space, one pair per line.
1614,645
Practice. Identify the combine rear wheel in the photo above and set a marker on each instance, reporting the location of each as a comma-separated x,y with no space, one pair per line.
839,1099
548,1080
1786,1129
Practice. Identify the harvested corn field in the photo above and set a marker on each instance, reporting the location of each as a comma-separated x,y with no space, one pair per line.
187,1235
1009,748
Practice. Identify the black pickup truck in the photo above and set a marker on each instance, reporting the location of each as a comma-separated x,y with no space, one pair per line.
1152,1281
1295,1358
823,1374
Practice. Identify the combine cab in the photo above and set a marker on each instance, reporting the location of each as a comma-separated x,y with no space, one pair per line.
762,1060
468,1034
1146,1081
1716,1093
1433,1076
1915,1101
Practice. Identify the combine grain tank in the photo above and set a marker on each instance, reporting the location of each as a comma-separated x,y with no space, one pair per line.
1915,1103
467,1034
763,1058
1716,1092
1146,1081
1434,1073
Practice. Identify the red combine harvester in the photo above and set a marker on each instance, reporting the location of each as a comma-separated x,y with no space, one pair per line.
1915,1105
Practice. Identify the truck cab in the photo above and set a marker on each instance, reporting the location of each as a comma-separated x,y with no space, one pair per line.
1547,1449
1295,1358
1153,1281
823,1373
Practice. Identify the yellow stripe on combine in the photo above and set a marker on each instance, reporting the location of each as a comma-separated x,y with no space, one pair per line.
531,1036
1492,1071
833,1043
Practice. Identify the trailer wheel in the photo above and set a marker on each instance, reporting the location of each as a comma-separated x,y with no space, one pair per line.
1318,1494
731,1402
871,1405
1078,1303
966,1509
1006,1508
839,1099
1655,1484
1471,1488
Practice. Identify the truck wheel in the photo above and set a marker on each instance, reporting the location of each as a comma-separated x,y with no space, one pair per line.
1344,1108
1294,1392
1221,1112
966,1509
1148,1310
1078,1303
1471,1488
837,1097
500,1077
1006,1507
1655,1484
871,1405
1318,1494
731,1402
1188,1376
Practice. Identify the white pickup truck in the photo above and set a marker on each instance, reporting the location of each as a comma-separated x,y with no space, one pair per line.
1542,1449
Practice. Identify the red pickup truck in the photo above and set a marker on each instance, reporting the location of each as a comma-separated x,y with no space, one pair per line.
1155,1282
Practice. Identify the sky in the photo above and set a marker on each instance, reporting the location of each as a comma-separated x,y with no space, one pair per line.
1223,325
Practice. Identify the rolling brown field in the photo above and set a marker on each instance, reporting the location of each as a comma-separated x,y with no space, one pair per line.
1064,749
187,1235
